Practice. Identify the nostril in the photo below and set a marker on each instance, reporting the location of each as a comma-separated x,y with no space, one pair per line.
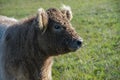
79,43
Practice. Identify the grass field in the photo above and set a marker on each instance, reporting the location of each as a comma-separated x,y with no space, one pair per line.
97,22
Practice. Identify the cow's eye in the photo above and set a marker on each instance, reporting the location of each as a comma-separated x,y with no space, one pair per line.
57,28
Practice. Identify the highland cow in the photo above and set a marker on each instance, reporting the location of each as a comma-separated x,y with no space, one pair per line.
28,46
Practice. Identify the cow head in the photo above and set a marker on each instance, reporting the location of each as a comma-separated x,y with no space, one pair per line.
58,36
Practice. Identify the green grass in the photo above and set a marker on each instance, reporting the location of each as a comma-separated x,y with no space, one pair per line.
97,22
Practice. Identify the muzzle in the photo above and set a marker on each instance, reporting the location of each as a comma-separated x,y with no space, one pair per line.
75,44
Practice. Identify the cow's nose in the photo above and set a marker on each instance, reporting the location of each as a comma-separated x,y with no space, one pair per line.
78,43
75,44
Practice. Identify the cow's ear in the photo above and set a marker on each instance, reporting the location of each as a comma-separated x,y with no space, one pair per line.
66,10
42,18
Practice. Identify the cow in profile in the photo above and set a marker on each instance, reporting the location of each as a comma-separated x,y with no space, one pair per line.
27,47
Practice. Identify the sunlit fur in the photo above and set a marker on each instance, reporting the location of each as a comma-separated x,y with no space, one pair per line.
7,21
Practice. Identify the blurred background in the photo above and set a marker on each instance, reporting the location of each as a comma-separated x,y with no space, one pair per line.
96,21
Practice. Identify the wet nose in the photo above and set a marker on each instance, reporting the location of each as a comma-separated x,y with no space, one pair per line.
75,44
78,42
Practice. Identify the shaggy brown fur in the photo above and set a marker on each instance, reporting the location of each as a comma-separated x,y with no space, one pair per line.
28,46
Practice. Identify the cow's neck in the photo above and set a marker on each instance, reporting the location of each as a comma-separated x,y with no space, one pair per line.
43,63
40,68
40,63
